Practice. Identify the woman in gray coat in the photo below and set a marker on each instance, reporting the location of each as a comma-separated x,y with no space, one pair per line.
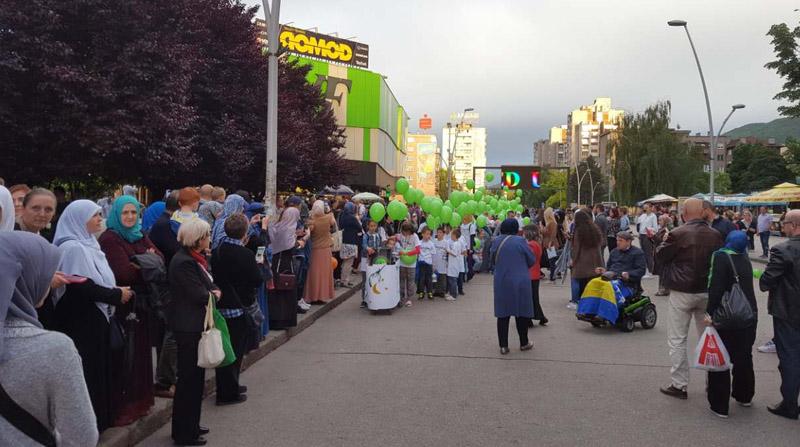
512,259
31,355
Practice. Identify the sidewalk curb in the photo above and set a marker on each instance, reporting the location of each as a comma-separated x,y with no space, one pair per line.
161,413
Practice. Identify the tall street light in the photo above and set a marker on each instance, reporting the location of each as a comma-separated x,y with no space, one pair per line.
452,149
713,150
734,108
272,14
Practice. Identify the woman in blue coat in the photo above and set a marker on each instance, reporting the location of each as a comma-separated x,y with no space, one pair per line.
512,259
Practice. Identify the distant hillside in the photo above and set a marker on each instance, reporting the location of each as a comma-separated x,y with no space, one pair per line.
780,129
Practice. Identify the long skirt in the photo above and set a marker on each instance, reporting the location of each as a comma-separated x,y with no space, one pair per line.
133,372
282,304
319,283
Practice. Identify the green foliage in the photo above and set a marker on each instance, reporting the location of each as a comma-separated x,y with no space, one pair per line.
792,156
781,129
594,185
755,168
787,65
553,191
442,183
650,159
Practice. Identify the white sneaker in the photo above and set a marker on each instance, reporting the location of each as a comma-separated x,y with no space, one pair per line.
719,415
303,305
768,347
648,276
449,298
572,306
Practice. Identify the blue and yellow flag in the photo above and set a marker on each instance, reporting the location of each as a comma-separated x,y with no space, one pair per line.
599,298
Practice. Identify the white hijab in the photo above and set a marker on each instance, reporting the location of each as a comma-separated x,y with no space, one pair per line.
82,253
6,210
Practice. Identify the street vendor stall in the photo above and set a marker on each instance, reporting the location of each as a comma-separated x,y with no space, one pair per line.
780,195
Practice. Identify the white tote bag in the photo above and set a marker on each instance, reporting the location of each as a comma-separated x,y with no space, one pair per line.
209,351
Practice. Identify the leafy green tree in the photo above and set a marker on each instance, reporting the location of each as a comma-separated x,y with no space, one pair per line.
722,183
755,168
650,159
554,185
787,65
792,156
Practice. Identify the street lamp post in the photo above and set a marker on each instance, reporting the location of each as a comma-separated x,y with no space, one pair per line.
272,14
452,150
713,150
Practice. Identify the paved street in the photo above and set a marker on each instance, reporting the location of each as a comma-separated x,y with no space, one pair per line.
433,375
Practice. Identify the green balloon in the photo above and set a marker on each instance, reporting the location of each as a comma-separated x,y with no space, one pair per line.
520,208
401,186
473,207
446,213
478,196
380,260
436,206
482,221
505,188
489,177
462,209
519,193
426,204
397,210
433,222
408,260
377,211
447,203
470,184
409,195
526,220
455,220
477,244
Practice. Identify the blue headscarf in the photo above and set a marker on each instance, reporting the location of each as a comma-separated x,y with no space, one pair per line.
253,209
349,208
736,241
151,215
509,226
114,221
234,204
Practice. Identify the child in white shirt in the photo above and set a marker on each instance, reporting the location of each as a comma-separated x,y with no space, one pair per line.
440,262
427,251
455,262
407,245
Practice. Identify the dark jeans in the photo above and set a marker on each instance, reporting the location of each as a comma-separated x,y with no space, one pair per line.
424,278
764,236
538,313
227,377
189,389
579,284
166,371
522,329
452,286
739,343
461,277
647,247
441,284
787,342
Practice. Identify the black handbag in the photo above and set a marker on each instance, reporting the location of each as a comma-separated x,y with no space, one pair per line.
734,311
24,421
116,334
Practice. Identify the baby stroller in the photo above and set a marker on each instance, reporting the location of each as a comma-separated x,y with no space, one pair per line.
607,301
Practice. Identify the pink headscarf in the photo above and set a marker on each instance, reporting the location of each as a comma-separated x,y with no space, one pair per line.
282,233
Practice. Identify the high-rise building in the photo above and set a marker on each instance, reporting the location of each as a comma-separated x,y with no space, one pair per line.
469,150
423,159
552,152
586,124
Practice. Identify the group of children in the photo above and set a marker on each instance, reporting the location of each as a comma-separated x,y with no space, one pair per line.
422,260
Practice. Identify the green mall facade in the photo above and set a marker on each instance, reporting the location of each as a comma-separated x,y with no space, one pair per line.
374,122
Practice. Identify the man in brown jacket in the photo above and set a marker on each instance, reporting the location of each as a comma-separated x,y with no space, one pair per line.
683,260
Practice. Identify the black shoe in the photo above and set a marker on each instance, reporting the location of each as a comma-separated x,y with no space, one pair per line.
781,410
530,323
241,399
543,322
363,305
198,441
242,389
672,391
504,351
527,347
204,430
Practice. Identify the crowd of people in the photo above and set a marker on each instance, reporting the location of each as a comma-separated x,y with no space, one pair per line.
100,285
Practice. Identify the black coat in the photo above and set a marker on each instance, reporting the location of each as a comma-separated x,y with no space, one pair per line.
782,279
722,280
189,286
351,229
164,238
237,274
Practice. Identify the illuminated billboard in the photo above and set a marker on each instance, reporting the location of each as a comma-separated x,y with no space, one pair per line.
521,177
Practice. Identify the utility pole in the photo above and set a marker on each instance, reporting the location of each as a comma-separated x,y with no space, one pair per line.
272,14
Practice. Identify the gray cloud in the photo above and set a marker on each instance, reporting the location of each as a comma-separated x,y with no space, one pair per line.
525,64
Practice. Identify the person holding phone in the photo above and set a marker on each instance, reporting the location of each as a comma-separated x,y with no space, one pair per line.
84,310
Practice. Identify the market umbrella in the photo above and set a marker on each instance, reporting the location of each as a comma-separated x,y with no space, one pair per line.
659,198
342,190
785,192
367,197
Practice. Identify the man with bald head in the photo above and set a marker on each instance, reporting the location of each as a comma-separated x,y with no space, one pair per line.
781,279
205,193
683,259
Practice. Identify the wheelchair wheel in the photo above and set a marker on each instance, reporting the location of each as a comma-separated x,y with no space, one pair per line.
627,323
649,317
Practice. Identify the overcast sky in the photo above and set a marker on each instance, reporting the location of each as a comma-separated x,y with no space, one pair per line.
524,64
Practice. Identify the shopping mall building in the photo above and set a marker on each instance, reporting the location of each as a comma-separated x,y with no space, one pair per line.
374,122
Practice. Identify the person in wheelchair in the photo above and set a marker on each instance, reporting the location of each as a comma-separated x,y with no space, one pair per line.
626,263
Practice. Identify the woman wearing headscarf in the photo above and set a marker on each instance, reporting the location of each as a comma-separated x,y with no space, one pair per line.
319,283
512,259
283,304
351,235
31,355
151,215
123,240
85,310
729,265
190,285
6,210
234,204
585,253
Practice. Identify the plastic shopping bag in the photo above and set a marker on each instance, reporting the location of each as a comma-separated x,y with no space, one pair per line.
710,354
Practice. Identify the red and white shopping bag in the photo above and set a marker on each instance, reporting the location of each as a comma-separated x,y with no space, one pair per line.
710,354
